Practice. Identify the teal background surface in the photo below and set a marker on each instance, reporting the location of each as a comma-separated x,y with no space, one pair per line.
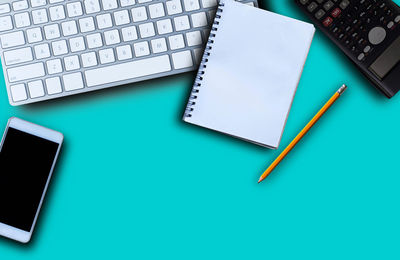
136,182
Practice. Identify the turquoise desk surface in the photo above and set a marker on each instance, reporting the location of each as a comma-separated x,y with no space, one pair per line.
136,182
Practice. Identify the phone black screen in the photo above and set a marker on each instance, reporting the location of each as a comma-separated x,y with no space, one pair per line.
25,164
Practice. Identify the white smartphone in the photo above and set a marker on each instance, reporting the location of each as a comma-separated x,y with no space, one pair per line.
28,153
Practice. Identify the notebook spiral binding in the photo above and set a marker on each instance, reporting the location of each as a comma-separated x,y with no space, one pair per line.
203,64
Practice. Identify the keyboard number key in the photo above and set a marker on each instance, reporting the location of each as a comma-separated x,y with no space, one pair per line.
39,16
74,9
92,6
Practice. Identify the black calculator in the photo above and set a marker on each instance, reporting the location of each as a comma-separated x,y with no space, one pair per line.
367,31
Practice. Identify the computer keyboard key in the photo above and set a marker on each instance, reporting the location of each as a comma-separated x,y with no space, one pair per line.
22,20
74,9
73,81
42,51
92,6
106,56
52,31
121,17
20,5
37,3
125,3
182,60
4,8
71,63
18,92
89,59
156,10
194,38
209,3
141,49
199,19
54,66
39,16
109,4
53,85
191,5
159,45
86,24
18,56
181,23
130,70
34,35
77,44
124,52
139,14
36,89
5,23
25,72
174,7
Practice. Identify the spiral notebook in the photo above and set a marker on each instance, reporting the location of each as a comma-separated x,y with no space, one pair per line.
249,73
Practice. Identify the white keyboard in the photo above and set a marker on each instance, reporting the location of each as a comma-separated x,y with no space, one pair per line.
55,48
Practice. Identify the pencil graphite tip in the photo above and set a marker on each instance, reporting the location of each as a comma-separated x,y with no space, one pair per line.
261,179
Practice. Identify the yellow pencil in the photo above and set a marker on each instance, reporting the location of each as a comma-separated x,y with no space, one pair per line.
303,132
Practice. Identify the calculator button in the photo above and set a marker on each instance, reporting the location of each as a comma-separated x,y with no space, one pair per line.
367,48
397,19
390,25
335,13
377,35
319,14
303,2
311,7
361,57
344,4
328,21
328,5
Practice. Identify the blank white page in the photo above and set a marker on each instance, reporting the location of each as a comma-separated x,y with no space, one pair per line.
252,73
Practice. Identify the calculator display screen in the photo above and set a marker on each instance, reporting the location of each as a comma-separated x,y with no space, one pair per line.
387,60
25,164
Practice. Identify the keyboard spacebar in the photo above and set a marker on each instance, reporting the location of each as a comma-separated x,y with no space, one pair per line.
129,70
